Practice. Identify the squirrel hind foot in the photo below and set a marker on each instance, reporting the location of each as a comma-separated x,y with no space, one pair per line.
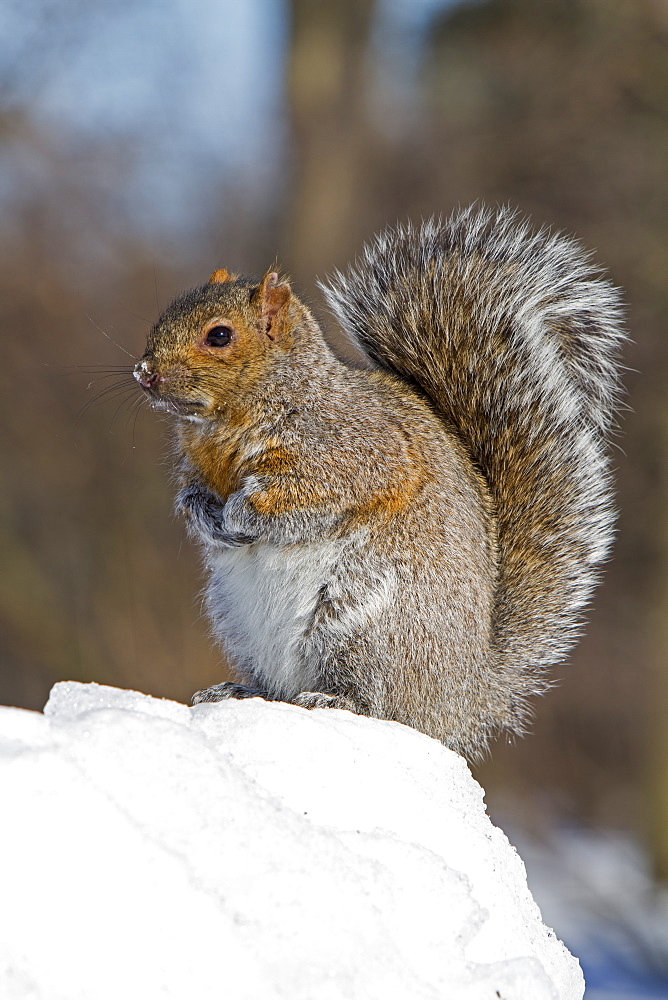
317,699
221,692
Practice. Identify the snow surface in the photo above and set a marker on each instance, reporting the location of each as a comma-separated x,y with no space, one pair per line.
254,850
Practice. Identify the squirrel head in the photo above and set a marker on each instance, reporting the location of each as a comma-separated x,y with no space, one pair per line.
213,345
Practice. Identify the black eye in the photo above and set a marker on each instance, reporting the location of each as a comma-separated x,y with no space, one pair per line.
218,336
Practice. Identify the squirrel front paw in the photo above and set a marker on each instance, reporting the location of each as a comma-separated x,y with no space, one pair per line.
205,514
221,692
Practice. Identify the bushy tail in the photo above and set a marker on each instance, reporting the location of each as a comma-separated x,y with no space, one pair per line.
514,337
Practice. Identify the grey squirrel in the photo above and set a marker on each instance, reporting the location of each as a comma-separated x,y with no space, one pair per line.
415,541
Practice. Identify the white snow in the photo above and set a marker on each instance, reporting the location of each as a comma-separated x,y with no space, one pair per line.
254,851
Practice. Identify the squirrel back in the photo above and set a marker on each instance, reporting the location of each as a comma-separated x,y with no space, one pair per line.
514,338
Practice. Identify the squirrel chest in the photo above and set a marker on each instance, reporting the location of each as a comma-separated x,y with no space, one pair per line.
263,599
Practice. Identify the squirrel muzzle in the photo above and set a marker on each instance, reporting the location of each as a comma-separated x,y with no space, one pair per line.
146,378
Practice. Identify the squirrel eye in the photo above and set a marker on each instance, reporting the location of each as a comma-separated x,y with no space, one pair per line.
218,336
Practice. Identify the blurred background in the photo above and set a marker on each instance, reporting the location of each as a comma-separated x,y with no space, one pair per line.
143,144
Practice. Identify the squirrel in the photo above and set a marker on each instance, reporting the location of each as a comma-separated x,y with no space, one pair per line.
413,540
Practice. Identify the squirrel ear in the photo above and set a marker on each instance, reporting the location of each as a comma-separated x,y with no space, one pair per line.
220,276
272,295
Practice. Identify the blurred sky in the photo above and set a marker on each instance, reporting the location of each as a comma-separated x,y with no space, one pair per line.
182,75
199,81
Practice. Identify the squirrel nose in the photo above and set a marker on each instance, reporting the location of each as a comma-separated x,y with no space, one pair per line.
146,378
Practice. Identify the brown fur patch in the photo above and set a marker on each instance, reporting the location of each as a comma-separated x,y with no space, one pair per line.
221,276
217,458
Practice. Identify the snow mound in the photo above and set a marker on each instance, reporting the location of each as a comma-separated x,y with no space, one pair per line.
254,850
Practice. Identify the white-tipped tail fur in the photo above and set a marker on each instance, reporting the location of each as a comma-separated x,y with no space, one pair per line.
514,337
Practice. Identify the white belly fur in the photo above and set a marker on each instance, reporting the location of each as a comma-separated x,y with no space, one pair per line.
261,599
